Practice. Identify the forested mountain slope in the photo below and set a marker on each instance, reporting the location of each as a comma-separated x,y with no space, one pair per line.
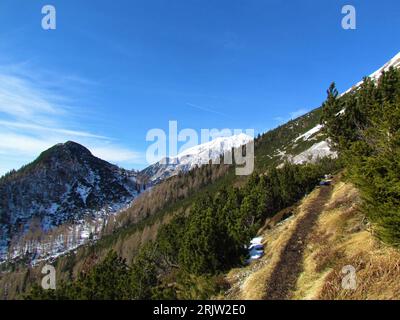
183,237
129,230
65,184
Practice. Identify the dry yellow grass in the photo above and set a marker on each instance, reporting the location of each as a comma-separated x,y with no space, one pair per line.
250,283
341,236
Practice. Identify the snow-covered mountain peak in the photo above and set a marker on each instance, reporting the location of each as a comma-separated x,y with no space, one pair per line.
394,62
195,156
218,145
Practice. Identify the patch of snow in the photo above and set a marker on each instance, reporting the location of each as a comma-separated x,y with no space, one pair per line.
256,249
54,243
309,133
84,192
280,153
340,112
315,152
255,241
394,62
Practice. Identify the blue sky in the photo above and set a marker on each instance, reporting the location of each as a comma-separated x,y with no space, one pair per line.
112,70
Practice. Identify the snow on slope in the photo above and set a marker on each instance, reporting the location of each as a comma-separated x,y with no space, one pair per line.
322,149
315,152
309,133
394,62
318,150
60,241
202,153
65,184
256,249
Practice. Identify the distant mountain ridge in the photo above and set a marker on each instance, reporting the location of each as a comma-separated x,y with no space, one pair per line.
192,157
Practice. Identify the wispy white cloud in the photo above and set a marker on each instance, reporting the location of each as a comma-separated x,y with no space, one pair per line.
206,109
23,101
44,129
34,115
20,145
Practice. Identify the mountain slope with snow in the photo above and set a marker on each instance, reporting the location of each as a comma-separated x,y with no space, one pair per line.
394,62
321,147
66,184
192,157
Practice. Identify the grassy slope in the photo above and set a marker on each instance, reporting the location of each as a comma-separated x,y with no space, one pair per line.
341,236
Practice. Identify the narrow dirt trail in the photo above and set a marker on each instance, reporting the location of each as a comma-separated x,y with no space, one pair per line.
285,274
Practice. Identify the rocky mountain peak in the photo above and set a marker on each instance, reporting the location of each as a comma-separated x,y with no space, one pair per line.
66,183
